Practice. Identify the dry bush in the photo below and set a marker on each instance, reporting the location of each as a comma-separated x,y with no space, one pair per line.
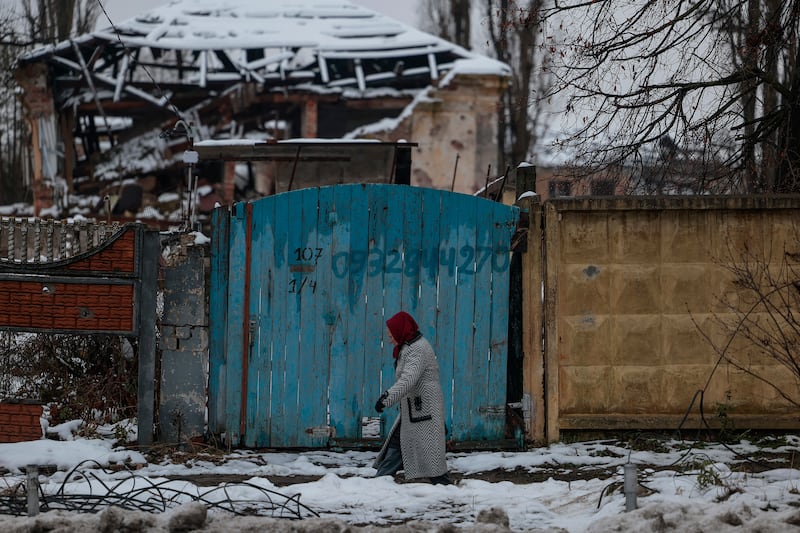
91,377
763,321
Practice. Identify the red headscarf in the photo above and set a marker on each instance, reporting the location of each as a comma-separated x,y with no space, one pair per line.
403,328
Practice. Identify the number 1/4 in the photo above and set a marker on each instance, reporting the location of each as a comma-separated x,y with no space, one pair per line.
294,287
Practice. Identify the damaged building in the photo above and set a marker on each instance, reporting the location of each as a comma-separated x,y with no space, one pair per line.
113,112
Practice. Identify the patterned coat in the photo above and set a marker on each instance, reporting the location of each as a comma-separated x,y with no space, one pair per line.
422,431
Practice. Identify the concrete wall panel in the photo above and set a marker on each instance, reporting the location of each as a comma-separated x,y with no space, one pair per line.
584,288
635,288
584,236
682,342
635,340
585,340
684,236
685,288
586,389
634,389
634,237
645,301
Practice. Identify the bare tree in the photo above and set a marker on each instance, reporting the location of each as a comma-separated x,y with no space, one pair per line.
13,131
761,323
52,21
449,19
513,37
37,22
718,78
514,34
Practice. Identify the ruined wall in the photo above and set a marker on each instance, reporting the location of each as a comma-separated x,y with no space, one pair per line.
458,119
37,98
183,342
633,287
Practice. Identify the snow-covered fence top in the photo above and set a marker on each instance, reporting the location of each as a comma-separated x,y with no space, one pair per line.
33,240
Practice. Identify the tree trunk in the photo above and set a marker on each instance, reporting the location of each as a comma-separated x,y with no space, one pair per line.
770,153
750,65
460,12
786,180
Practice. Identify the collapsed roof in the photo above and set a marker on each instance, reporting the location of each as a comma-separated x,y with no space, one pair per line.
213,44
264,70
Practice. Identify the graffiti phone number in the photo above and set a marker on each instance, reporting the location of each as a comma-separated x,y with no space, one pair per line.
467,260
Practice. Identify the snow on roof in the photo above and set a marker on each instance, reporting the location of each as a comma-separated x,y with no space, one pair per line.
335,25
332,43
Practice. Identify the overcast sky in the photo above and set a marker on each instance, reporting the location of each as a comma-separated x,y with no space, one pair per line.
119,10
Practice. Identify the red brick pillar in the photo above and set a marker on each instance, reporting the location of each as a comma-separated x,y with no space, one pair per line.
310,118
229,182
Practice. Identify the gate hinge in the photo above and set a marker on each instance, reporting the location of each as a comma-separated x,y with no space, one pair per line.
492,410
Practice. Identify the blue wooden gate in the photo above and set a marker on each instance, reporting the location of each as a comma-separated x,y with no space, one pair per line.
302,283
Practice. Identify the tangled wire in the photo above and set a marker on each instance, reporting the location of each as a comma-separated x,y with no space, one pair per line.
136,492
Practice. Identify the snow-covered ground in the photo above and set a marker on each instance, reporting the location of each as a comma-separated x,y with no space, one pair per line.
682,486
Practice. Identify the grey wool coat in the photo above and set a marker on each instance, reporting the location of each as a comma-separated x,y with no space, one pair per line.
421,422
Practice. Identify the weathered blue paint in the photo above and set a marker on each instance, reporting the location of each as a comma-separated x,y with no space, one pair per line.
442,257
377,367
344,413
328,266
323,313
259,412
311,369
466,379
480,395
217,311
502,228
427,311
234,332
280,317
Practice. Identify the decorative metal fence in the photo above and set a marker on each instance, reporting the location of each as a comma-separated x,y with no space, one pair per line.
35,240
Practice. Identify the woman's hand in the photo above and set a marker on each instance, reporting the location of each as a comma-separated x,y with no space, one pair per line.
379,404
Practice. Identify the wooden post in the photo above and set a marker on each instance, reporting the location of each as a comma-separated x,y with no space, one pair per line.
33,489
551,362
533,383
532,304
526,179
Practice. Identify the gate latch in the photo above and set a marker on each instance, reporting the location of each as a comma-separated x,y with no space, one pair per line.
318,432
252,332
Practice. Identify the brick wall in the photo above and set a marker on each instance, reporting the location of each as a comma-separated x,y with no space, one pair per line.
119,256
19,422
66,306
56,299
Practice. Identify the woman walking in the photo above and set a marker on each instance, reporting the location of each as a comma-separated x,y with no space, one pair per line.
416,442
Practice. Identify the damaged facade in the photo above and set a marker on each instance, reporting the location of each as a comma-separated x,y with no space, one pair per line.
112,112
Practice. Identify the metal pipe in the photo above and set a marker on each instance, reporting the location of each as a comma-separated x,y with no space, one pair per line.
455,172
294,169
630,486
